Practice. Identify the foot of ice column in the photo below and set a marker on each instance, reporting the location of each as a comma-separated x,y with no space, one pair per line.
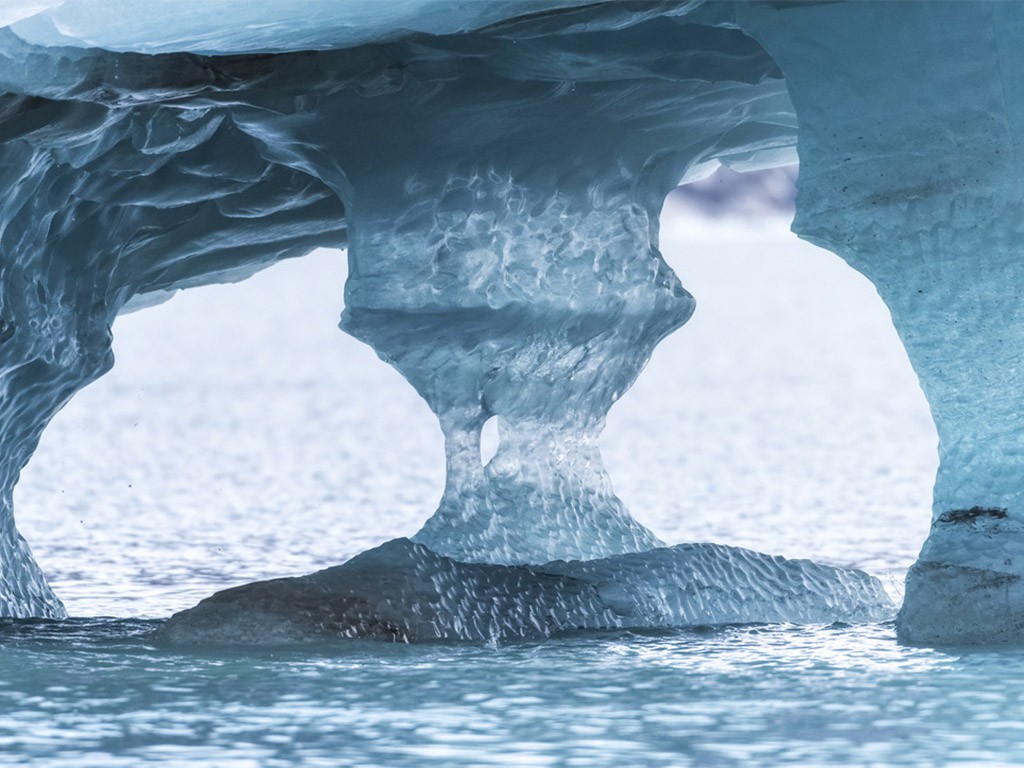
922,194
402,591
536,306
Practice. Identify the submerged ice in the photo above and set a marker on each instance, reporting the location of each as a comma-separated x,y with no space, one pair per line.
404,592
496,170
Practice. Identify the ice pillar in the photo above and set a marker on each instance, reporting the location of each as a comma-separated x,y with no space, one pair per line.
54,339
502,199
38,374
911,128
530,303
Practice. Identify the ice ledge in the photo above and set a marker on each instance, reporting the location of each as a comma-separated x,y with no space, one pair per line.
404,592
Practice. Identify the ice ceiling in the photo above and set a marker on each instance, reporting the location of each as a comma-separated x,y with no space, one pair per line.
496,170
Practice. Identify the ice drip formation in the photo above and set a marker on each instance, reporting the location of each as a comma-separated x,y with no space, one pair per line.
496,171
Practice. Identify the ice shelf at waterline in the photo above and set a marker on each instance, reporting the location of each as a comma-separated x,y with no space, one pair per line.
404,592
496,170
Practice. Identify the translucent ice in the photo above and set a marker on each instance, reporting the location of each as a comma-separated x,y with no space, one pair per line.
237,26
911,127
498,191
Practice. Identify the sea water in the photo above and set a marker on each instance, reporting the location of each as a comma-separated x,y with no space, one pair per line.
242,436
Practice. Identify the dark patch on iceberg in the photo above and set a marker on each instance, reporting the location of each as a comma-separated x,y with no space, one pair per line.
403,592
956,516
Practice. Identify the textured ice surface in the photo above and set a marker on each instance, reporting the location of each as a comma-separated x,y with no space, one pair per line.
965,589
404,592
237,26
910,170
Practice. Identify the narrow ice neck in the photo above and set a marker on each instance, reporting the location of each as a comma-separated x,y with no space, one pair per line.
535,305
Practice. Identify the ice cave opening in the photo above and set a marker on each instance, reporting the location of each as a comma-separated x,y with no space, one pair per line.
788,346
243,359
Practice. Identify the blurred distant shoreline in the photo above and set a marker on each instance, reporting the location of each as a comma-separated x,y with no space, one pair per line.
726,192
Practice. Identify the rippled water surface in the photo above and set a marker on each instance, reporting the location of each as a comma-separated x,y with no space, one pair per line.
241,436
97,692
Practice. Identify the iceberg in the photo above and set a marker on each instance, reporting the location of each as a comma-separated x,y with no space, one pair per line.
496,171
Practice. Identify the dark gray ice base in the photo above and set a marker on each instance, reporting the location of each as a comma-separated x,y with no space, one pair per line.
404,592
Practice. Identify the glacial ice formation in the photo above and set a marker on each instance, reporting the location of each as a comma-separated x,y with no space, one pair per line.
404,592
496,170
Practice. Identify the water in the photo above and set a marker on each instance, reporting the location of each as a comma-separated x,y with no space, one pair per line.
96,693
241,436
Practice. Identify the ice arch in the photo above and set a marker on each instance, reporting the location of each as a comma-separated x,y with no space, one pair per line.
498,192
498,179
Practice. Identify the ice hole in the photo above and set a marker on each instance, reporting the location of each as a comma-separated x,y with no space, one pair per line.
489,440
786,399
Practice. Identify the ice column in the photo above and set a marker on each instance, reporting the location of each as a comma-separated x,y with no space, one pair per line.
502,199
911,122
528,302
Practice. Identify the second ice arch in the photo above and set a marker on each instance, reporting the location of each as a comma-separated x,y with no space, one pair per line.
501,192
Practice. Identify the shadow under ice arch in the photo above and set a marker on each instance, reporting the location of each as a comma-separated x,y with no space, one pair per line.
501,191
